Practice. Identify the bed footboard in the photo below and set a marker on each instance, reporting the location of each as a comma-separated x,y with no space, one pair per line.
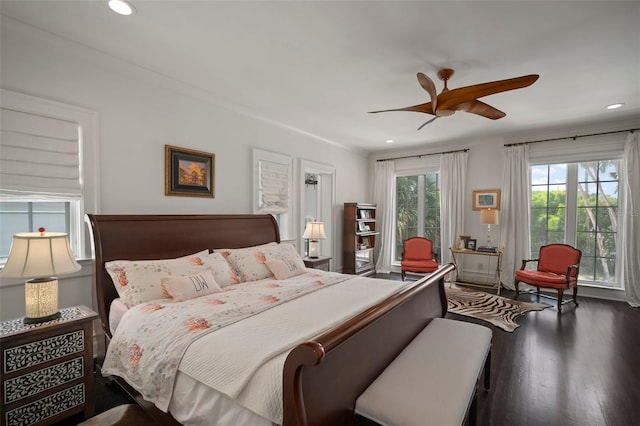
323,378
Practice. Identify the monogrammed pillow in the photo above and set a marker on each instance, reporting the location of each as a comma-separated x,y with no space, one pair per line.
286,268
190,286
139,281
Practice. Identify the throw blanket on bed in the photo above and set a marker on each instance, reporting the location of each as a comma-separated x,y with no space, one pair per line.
152,337
258,346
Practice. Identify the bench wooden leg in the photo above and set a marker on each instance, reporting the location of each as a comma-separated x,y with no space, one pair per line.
473,409
487,371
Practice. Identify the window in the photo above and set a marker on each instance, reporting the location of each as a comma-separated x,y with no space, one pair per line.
27,216
273,188
577,204
417,210
45,180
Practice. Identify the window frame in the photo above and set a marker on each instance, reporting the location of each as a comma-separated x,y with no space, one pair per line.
87,121
421,175
571,232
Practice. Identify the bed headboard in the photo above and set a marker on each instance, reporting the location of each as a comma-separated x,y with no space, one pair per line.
145,237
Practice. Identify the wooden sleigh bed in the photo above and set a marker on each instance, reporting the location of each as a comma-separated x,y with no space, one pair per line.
323,377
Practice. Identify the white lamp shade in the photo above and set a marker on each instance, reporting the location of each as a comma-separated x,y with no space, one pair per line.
39,255
314,231
489,216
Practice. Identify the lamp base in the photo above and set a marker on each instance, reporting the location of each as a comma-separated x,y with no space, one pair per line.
41,319
314,249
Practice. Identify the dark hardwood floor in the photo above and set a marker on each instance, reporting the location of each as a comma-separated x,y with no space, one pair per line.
578,368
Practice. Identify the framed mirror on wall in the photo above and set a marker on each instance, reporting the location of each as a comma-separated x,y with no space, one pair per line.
317,185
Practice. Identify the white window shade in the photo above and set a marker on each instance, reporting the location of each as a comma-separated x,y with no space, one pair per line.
39,155
274,187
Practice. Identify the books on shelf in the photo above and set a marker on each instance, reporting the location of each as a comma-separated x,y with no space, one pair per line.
486,249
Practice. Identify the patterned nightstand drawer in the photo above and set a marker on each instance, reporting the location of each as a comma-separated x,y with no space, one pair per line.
42,380
47,371
42,351
47,407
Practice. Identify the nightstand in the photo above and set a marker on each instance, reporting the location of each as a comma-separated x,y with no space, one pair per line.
47,368
317,263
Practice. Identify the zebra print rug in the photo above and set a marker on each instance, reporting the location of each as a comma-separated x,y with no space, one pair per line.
497,310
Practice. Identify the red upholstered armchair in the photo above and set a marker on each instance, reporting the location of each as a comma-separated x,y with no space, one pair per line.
558,268
417,256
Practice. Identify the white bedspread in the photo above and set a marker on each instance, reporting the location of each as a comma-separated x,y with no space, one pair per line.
273,334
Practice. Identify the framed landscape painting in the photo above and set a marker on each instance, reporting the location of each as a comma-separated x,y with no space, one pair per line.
486,199
188,172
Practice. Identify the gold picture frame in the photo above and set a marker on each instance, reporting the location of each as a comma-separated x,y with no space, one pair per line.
486,199
188,173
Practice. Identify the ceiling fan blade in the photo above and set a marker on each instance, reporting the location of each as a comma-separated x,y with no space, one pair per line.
448,100
427,122
480,108
428,85
426,108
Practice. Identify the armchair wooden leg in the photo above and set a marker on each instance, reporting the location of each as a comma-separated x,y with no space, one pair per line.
403,273
575,295
516,284
560,296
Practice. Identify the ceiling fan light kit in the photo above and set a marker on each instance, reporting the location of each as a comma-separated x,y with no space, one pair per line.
463,98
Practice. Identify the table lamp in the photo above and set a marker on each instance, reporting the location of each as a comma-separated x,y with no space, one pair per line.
314,232
489,217
40,256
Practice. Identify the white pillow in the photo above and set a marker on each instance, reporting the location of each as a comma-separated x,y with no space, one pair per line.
286,268
222,271
139,281
190,286
248,262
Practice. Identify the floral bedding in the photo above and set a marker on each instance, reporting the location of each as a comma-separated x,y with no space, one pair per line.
152,337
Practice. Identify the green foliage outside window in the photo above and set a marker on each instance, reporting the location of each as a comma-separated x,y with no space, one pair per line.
596,209
415,194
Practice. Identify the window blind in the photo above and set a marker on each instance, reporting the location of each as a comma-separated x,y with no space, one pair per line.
39,155
274,187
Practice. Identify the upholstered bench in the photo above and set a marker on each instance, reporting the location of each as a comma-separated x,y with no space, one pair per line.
434,380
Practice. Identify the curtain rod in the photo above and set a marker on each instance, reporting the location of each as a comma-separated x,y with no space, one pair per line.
423,155
571,137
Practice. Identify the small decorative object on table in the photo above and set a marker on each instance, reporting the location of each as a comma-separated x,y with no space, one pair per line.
471,244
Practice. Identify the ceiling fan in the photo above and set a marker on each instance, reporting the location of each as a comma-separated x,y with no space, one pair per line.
463,98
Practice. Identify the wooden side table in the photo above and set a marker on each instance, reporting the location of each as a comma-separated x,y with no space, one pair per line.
321,262
47,368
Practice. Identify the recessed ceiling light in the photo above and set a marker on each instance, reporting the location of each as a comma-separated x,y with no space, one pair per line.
614,106
389,141
121,7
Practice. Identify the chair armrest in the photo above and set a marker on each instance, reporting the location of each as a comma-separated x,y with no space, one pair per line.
569,268
525,261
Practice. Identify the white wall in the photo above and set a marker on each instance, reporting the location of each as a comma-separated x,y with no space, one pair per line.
139,112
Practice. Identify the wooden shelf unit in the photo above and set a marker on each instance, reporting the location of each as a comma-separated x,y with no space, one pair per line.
359,239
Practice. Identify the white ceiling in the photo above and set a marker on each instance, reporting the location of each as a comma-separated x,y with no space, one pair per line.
320,66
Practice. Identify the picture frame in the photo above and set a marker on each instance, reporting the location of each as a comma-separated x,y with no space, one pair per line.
472,244
365,214
188,172
363,227
486,199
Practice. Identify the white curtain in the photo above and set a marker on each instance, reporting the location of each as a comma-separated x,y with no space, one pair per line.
631,220
384,195
274,187
514,213
453,176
